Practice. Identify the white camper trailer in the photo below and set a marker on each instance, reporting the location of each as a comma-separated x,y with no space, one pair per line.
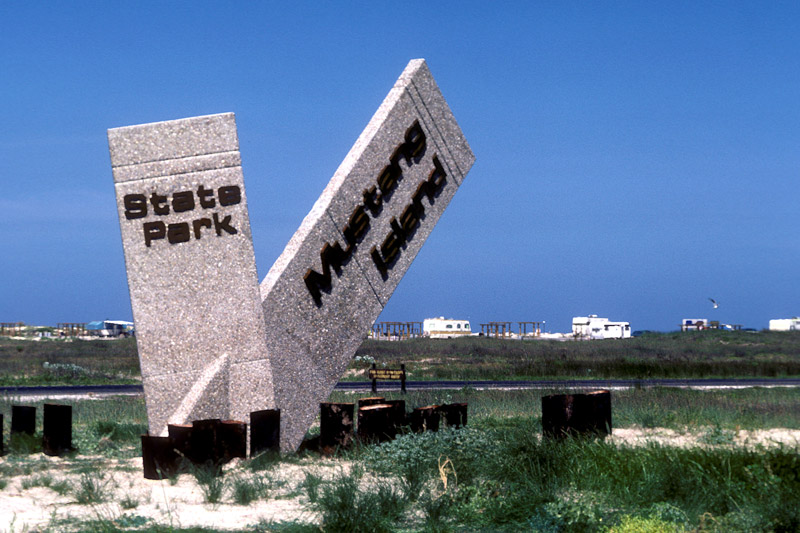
784,324
594,327
445,328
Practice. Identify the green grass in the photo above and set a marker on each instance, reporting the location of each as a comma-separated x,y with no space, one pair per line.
698,354
754,408
345,506
497,474
91,488
68,362
509,479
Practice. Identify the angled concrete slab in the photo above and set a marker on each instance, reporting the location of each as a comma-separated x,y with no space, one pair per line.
342,265
190,263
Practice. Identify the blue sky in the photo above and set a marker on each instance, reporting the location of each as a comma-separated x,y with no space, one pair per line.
633,158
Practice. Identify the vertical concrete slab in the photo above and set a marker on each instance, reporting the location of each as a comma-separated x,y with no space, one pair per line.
343,263
191,268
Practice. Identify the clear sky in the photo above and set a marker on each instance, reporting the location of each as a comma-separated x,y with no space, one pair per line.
633,158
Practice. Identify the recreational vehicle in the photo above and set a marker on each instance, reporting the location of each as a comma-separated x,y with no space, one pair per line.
110,328
784,324
445,328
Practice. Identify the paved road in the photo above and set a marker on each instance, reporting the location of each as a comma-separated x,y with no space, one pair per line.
363,386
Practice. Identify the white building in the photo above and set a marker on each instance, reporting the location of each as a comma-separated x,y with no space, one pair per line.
594,327
784,324
445,328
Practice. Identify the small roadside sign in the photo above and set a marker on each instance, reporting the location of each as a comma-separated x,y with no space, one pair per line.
388,374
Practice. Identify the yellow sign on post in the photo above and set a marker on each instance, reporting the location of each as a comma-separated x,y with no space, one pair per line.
388,373
385,373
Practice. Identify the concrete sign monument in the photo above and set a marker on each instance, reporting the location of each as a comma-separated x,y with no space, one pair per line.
190,263
191,270
343,263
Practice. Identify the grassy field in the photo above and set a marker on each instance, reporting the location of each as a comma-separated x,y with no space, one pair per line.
67,361
669,355
495,475
696,354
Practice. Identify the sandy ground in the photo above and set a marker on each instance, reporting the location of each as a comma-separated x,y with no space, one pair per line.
178,504
182,504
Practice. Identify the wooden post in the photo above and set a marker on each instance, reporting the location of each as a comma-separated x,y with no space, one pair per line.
335,426
577,414
403,379
2,435
23,419
57,429
265,431
374,381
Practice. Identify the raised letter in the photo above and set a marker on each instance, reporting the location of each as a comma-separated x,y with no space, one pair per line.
224,224
415,145
200,223
356,228
331,256
373,201
230,195
178,233
153,231
206,197
182,201
410,218
159,202
135,206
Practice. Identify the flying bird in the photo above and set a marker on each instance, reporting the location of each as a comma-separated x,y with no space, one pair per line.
713,301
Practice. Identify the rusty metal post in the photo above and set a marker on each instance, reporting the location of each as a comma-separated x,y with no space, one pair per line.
181,435
373,400
335,426
204,442
376,423
265,431
232,436
425,419
576,414
597,406
23,419
56,429
454,414
159,459
399,417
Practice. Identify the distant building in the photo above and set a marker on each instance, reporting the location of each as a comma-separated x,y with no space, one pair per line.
691,324
445,328
594,327
784,324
